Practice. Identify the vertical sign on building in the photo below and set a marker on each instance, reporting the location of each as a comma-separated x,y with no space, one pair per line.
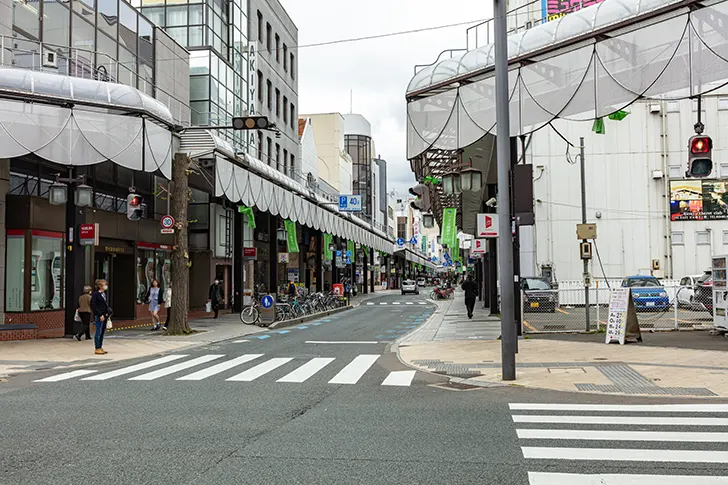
252,85
449,228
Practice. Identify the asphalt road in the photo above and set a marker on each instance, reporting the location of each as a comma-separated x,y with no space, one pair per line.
334,421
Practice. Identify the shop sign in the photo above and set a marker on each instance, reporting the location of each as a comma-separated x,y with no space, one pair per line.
164,247
487,225
283,258
479,246
88,235
250,253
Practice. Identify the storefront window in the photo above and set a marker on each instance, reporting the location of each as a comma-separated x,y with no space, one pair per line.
164,268
46,271
145,272
15,271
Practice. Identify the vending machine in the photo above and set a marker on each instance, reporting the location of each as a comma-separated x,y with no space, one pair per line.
720,292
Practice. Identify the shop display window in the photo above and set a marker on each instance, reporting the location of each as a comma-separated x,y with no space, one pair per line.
15,271
46,271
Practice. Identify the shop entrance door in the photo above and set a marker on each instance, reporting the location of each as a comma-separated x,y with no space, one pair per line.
118,271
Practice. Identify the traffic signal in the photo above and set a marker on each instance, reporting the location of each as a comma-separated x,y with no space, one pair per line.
422,194
134,207
251,123
700,161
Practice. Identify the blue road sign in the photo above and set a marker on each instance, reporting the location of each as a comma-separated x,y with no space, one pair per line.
457,264
400,242
267,301
446,257
348,260
413,240
338,253
348,253
350,203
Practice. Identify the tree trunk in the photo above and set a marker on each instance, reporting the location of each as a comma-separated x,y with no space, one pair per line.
179,323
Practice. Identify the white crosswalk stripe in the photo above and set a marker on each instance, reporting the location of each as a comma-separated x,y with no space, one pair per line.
150,376
134,368
621,428
398,303
307,370
296,371
218,368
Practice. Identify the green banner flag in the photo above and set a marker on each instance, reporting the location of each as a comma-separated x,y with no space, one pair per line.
598,126
248,211
292,239
449,234
455,253
328,253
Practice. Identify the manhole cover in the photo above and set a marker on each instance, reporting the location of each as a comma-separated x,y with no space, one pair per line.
456,386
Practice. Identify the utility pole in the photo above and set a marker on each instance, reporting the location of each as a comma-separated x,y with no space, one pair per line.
503,150
583,221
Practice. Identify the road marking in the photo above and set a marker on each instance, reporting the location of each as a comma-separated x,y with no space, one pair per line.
609,420
613,479
423,303
240,341
608,435
614,454
529,326
307,370
261,337
370,304
283,331
383,303
399,378
218,368
408,303
150,376
354,369
562,311
301,327
342,341
133,368
260,369
67,375
653,408
396,303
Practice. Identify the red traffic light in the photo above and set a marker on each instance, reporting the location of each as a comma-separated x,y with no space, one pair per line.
135,201
700,144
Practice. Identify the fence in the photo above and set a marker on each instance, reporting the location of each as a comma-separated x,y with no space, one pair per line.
671,307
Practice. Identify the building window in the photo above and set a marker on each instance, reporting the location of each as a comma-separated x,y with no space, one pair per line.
260,27
278,102
293,163
278,157
293,68
722,104
285,162
293,116
268,151
402,227
270,94
702,238
285,57
725,237
278,48
268,35
285,110
260,86
260,145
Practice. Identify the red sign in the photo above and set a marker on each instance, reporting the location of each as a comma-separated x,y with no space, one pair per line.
250,253
479,246
487,225
87,234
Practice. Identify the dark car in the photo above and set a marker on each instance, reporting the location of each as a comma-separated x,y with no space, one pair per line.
647,292
704,292
539,295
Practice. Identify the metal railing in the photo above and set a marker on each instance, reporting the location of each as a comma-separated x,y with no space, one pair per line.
87,64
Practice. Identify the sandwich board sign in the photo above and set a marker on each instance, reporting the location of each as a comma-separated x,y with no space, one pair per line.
622,322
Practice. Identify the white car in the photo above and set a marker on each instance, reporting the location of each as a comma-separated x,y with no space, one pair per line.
686,291
421,282
410,286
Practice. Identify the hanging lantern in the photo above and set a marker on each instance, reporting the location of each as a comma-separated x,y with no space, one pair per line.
471,179
428,220
57,194
84,196
451,183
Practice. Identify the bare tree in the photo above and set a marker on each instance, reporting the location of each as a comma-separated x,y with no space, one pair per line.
179,323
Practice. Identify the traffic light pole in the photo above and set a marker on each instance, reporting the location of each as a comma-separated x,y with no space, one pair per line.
583,221
503,149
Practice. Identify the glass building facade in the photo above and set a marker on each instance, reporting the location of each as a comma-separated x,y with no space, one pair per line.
99,39
359,148
216,34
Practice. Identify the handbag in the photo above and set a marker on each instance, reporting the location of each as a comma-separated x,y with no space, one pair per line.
109,325
208,307
77,317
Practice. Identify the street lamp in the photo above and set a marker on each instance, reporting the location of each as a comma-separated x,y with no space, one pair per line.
428,220
84,196
281,234
58,192
471,179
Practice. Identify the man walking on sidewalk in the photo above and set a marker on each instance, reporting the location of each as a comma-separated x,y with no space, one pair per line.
471,292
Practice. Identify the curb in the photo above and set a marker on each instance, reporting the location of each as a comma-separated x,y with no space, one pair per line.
307,318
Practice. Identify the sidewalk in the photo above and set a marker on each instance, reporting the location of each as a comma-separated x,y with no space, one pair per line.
573,365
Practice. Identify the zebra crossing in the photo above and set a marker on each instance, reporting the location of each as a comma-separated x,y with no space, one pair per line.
384,303
622,433
180,368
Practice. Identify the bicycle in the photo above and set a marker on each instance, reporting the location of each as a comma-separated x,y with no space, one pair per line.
251,314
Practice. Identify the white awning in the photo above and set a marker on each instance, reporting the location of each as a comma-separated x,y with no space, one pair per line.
585,65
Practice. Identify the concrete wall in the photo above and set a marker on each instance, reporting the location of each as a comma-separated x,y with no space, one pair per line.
6,17
308,153
334,164
356,124
281,24
172,76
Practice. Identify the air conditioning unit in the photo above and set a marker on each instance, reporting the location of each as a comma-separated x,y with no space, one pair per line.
50,58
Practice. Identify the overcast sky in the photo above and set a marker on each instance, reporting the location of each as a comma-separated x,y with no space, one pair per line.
376,71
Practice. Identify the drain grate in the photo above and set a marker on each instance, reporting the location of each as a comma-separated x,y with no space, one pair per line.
456,386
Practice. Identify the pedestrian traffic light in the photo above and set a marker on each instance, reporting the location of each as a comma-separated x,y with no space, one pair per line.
422,194
700,161
134,207
250,123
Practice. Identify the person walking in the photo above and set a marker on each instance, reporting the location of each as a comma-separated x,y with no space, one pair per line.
154,298
101,311
168,304
292,289
215,297
471,292
84,312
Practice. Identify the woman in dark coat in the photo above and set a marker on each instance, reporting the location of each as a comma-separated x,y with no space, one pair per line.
101,311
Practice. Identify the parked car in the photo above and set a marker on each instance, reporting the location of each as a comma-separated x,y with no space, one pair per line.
703,298
647,292
539,295
421,281
410,286
686,291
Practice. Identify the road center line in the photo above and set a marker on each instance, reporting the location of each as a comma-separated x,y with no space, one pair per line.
342,341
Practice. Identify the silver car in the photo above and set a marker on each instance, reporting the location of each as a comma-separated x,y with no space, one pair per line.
410,286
